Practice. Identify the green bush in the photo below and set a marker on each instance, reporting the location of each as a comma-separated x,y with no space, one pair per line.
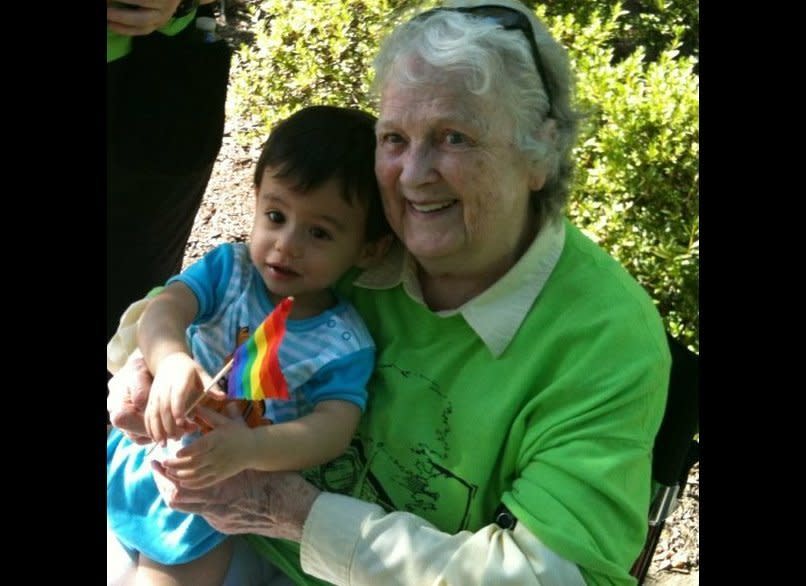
652,24
636,189
304,52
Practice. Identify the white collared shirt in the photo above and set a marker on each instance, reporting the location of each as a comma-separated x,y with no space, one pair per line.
497,313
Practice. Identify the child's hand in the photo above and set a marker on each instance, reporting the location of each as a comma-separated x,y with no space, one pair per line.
222,453
178,382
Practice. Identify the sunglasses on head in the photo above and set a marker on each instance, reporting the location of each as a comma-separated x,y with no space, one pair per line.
508,19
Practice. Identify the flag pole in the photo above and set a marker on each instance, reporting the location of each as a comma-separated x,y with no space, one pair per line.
215,380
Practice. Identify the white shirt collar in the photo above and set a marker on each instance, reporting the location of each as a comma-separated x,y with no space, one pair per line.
497,313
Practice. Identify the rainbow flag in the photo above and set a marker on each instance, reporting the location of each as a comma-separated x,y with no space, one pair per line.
256,370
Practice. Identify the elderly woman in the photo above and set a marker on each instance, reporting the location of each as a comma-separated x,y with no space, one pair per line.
522,372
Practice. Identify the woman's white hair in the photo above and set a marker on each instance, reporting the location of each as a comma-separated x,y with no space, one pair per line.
492,60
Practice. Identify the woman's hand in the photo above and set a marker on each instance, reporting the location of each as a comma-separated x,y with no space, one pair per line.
128,396
145,19
272,504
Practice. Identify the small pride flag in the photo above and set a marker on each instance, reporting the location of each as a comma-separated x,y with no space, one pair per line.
256,370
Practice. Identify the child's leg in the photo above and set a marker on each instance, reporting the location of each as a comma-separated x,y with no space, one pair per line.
209,569
121,565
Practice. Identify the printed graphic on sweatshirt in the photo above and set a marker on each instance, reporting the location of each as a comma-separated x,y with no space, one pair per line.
416,480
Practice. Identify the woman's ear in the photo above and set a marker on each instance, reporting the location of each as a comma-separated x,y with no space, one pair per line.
373,252
547,134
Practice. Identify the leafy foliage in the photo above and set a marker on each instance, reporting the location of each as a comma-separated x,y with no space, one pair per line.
636,189
305,52
652,24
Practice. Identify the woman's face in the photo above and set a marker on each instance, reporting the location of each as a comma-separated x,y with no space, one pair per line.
454,186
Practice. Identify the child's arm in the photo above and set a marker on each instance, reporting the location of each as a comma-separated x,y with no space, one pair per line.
161,328
177,377
231,447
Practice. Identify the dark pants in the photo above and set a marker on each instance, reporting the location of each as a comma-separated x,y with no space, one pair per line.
165,121
149,219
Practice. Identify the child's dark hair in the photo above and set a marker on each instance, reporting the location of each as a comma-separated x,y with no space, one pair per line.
318,143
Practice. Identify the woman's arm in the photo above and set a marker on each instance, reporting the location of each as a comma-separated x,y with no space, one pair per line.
348,541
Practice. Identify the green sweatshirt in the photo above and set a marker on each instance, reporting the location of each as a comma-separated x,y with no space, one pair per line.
560,427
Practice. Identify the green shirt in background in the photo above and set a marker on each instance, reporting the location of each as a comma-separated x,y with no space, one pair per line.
119,45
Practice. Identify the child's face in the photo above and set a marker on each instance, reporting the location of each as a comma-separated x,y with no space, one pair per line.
303,242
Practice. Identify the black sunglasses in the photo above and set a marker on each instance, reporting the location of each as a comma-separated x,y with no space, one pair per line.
508,19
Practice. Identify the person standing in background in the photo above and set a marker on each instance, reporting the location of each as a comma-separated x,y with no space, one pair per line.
165,121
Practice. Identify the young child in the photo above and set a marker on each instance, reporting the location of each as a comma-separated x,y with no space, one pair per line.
317,214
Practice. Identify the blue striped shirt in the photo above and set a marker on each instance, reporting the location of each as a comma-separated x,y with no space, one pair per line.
328,356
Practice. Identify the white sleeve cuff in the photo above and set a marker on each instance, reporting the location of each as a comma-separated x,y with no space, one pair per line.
124,341
349,542
331,534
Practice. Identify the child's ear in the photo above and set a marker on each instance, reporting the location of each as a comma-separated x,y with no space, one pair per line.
373,252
